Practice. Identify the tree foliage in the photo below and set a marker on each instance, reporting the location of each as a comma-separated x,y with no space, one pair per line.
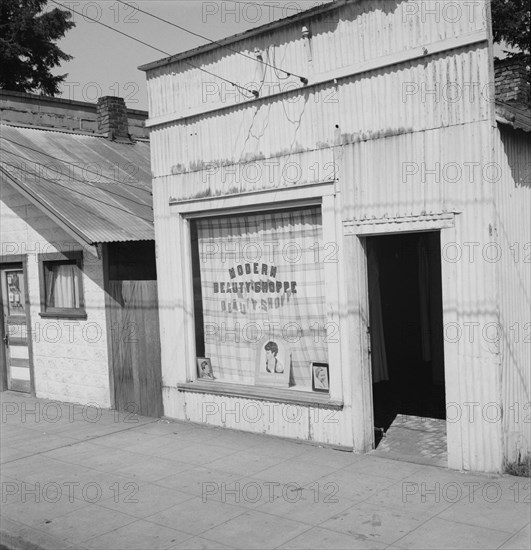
511,23
27,46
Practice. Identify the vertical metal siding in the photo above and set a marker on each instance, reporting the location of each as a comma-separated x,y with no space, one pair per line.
291,421
513,215
379,130
374,186
416,173
352,34
364,107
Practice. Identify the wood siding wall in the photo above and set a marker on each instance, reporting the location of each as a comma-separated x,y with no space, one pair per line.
135,340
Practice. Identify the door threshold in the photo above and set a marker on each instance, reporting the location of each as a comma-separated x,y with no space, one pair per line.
415,439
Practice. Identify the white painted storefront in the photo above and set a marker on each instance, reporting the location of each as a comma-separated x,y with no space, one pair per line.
366,130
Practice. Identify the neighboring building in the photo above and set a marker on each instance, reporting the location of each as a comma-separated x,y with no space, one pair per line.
351,216
512,223
77,261
53,113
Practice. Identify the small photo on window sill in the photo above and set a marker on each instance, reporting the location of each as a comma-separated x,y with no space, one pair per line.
320,377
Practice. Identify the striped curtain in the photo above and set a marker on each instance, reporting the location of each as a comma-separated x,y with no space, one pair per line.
262,280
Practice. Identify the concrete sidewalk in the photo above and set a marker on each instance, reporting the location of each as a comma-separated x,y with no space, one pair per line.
80,477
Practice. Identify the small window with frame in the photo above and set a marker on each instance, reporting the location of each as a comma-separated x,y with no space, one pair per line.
61,285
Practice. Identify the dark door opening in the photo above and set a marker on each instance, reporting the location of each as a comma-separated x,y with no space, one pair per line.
406,327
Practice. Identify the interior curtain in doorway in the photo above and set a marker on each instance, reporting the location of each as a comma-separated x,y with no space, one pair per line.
380,371
424,297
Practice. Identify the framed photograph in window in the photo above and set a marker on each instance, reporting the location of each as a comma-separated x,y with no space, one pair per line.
273,363
204,369
320,378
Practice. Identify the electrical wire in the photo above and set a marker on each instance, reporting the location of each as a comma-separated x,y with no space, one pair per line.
75,165
254,92
258,60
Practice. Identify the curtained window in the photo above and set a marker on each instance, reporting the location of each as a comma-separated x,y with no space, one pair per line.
61,288
259,295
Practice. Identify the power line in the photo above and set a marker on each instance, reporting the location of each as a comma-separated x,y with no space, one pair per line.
75,165
254,92
77,192
258,60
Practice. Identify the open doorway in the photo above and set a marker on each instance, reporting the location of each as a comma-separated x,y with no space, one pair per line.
406,327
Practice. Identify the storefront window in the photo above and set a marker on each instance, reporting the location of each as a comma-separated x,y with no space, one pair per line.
259,298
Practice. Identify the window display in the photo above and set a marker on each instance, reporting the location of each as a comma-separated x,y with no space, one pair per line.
259,296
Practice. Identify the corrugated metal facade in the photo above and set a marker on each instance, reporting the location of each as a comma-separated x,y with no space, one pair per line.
346,36
405,132
512,223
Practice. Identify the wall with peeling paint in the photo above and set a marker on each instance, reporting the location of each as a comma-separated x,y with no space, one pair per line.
396,114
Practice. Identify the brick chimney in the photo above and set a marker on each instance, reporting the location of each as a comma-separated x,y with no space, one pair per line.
511,80
112,117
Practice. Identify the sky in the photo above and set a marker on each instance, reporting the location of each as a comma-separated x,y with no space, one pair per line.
105,63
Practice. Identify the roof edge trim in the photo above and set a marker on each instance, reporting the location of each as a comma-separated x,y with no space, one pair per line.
323,8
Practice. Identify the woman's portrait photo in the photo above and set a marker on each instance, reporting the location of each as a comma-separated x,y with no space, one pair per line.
204,368
272,363
320,380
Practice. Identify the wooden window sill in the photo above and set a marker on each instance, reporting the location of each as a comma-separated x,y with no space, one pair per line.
262,393
63,315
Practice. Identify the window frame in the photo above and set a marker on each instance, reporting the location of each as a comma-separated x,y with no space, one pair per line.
184,376
195,253
61,312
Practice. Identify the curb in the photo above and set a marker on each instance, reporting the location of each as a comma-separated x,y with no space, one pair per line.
28,538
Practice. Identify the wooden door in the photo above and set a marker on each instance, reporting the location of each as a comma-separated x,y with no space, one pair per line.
136,347
15,345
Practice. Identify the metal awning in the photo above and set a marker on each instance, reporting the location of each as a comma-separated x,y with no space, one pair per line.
99,189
